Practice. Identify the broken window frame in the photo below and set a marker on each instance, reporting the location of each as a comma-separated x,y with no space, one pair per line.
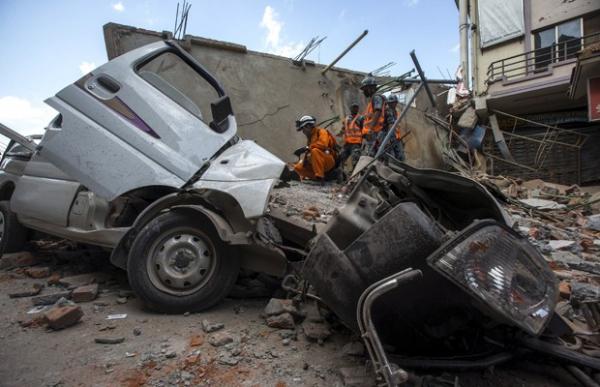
173,51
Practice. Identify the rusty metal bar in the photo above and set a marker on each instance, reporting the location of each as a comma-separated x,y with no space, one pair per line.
365,32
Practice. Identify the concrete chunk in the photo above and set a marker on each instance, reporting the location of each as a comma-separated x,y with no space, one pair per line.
278,306
281,321
220,338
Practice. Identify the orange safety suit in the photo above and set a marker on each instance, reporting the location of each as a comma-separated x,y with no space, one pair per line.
320,157
352,130
369,117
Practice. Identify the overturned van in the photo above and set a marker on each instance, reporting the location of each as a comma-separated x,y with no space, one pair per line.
134,163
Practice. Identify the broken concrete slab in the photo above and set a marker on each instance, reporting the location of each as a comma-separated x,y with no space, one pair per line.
281,321
220,338
85,293
37,288
560,244
209,327
63,317
316,331
278,306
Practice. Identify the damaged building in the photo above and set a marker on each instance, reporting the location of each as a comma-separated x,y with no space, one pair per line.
534,75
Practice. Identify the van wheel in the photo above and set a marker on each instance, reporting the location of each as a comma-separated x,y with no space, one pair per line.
179,264
12,233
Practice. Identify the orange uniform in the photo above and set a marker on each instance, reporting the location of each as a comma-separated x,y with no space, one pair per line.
352,129
321,155
375,103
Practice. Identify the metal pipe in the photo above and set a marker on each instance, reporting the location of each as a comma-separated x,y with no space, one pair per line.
463,27
560,352
440,81
452,364
582,376
391,131
17,137
424,80
369,332
365,32
474,32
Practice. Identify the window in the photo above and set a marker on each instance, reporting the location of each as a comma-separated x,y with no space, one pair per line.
499,21
557,43
568,37
181,83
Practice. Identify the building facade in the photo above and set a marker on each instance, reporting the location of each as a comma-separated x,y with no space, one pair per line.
533,64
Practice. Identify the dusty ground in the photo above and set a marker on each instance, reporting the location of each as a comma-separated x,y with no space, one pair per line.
173,350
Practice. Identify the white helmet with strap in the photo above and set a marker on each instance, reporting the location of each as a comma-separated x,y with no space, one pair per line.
305,120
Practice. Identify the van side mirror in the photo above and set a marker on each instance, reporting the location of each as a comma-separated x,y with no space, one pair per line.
221,109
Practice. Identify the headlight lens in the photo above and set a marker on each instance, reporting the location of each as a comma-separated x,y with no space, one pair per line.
503,270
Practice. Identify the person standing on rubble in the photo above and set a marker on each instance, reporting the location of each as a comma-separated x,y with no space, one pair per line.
320,154
374,116
352,134
396,146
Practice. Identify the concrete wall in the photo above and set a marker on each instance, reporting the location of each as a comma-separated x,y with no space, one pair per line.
268,92
548,12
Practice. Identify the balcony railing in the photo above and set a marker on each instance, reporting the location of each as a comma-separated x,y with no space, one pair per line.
538,61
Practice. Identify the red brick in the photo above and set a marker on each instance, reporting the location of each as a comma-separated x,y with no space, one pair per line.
85,293
63,316
54,279
20,259
38,272
564,289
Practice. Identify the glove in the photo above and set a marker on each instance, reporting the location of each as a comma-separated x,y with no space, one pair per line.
298,152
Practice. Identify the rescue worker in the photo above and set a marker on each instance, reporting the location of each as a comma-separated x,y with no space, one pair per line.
396,146
374,115
352,134
320,155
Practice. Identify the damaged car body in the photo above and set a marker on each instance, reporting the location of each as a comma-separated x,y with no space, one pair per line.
131,164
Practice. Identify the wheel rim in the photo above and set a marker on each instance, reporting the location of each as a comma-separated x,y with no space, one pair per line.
2,224
181,261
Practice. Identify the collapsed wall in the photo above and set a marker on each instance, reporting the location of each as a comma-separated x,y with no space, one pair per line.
268,92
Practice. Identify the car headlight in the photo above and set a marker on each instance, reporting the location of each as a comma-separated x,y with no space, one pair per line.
497,266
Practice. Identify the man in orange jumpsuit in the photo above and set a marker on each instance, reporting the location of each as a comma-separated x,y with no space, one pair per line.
320,152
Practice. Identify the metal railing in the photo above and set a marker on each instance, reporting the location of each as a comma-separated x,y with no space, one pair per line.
539,60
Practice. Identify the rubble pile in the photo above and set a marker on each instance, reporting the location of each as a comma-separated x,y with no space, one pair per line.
564,223
314,204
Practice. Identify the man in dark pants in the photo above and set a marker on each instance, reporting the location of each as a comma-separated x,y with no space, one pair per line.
395,146
374,115
352,134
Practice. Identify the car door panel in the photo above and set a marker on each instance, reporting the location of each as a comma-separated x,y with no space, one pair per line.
118,136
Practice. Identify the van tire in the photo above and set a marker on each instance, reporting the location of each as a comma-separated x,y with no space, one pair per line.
13,235
178,263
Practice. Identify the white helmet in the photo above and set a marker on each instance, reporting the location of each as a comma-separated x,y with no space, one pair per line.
305,120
